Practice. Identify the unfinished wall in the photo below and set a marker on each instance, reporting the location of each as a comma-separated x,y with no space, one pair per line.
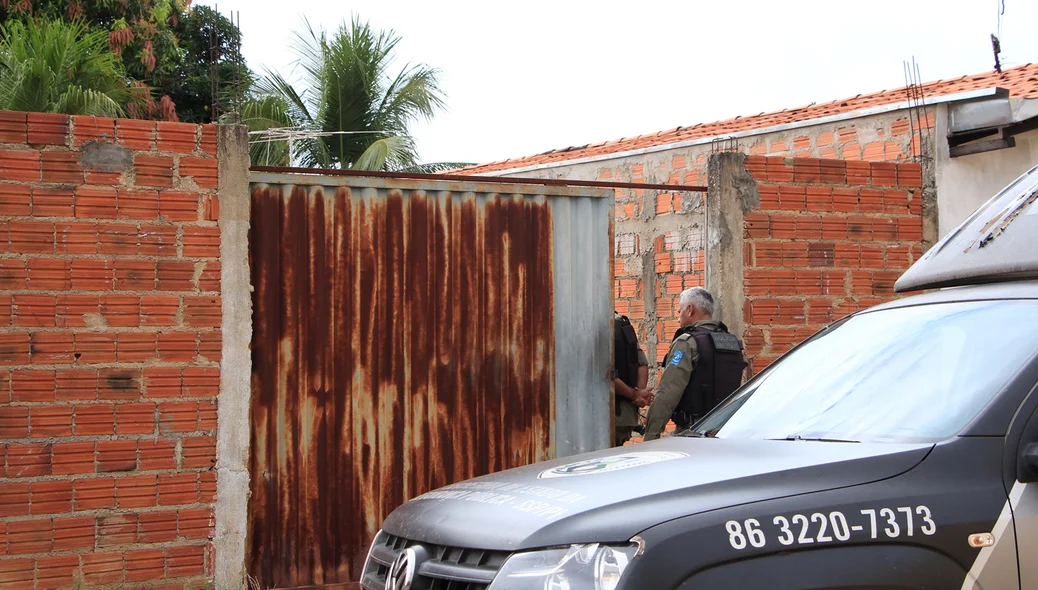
819,239
660,236
110,349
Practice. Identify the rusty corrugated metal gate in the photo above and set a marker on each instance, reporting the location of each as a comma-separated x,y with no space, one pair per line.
407,335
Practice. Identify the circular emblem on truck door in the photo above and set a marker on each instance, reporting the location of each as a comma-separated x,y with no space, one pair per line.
612,463
401,573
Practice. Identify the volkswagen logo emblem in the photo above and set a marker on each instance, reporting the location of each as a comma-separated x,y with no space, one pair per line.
401,573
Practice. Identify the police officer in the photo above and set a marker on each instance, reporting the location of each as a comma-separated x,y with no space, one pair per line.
705,364
631,376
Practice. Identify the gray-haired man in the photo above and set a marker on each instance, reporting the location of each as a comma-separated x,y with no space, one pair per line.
704,365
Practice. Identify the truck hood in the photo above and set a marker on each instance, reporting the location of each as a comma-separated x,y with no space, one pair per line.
612,495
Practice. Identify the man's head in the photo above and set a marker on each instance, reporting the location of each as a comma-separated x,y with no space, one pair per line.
696,305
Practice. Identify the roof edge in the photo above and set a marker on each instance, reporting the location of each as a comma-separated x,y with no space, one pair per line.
878,110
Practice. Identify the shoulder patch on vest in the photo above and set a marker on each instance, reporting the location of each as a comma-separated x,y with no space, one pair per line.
678,355
726,342
685,336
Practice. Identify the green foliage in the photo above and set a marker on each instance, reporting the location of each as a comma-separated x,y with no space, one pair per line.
59,67
359,111
164,47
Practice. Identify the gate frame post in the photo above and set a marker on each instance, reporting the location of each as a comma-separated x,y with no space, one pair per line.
233,430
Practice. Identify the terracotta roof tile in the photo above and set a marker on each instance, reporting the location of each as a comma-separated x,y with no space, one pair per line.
1022,82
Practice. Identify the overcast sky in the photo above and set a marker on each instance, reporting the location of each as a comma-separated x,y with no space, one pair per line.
526,77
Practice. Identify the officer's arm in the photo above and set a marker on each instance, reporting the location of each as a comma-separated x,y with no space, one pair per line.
672,385
622,388
643,369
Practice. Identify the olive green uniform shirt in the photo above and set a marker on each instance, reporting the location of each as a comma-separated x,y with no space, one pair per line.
678,365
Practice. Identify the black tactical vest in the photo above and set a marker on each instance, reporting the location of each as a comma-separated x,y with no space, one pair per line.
626,351
717,373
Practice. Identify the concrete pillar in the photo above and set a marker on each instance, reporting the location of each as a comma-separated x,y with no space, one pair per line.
232,443
732,193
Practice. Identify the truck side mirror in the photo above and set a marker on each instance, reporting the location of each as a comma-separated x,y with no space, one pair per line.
1027,465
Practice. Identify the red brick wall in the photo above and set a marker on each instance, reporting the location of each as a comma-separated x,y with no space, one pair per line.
830,237
109,352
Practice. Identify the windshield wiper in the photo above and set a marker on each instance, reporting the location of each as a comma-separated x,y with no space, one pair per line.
818,439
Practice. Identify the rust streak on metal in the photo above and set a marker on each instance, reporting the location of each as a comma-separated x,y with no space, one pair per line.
488,179
403,341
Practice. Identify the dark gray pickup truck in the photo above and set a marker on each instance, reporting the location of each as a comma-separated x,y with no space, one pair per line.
896,448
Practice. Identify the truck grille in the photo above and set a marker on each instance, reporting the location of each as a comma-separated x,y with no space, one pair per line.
447,568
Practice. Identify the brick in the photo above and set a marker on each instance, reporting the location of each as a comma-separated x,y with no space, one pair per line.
16,574
832,171
5,318
77,238
13,274
53,572
834,228
884,174
13,127
34,310
820,199
14,422
870,200
136,135
103,178
33,386
178,417
50,421
14,348
157,527
51,497
178,488
144,565
845,200
778,171
153,171
119,239
164,382
792,198
94,420
177,137
20,165
94,494
207,416
50,348
76,385
205,381
179,347
910,175
119,384
96,203
178,205
872,256
159,454
756,225
208,143
123,311
819,311
185,562
136,347
158,240
30,536
61,167
200,452
807,227
32,237
15,199
91,128
859,228
161,310
48,274
117,455
207,487
203,170
5,388
14,500
175,275
135,419
776,311
136,492
777,147
138,204
52,202
888,230
197,523
806,170
211,206
134,275
103,568
74,458
821,254
769,197
95,348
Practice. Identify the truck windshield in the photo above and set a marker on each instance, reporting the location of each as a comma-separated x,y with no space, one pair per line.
912,374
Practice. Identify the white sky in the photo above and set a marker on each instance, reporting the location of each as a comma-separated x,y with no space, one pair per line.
526,77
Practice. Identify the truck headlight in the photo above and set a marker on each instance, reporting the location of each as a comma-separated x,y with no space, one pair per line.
577,567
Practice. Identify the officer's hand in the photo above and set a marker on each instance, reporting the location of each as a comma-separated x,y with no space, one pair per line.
642,397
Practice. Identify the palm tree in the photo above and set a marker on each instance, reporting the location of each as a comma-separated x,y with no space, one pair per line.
351,112
54,66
